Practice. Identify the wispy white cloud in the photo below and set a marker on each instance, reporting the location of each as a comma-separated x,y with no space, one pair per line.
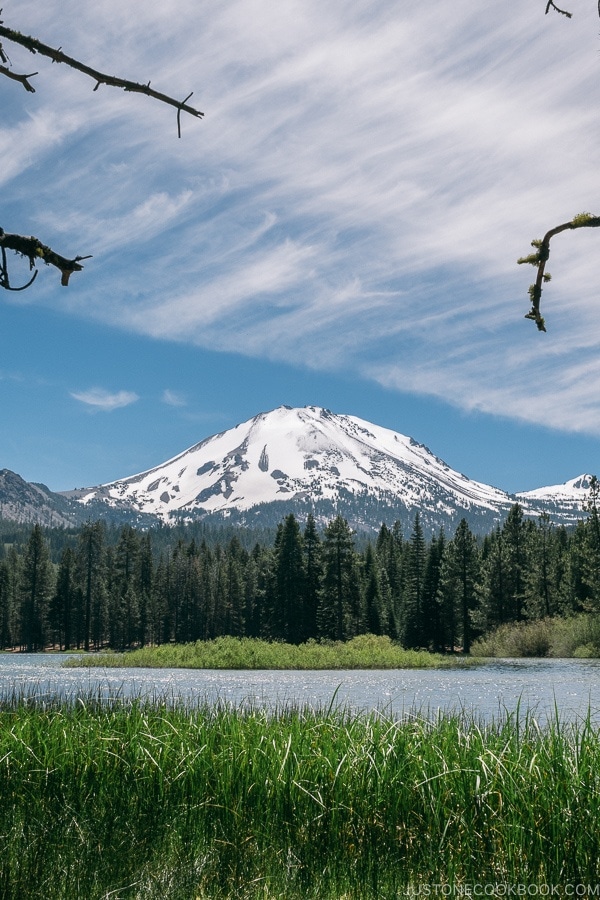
123,227
173,398
103,400
355,199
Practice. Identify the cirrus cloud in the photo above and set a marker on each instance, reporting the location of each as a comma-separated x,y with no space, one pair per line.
355,199
106,401
173,398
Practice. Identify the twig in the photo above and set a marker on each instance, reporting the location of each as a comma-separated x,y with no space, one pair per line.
552,5
56,55
182,106
540,258
4,278
23,79
33,250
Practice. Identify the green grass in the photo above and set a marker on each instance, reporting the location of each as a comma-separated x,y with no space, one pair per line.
141,800
367,651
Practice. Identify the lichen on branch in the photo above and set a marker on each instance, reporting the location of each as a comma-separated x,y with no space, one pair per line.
33,250
540,258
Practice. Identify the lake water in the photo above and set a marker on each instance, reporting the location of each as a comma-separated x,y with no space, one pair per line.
541,685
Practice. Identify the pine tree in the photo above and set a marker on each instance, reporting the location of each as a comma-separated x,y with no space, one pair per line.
186,600
516,532
313,576
123,600
495,606
448,601
163,625
576,574
144,581
251,598
391,551
566,600
5,629
432,625
218,590
288,614
413,605
375,622
129,618
340,614
264,560
65,601
12,563
36,586
196,593
459,587
236,598
91,576
591,548
542,584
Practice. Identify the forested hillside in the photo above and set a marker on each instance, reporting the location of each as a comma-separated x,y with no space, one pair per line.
100,586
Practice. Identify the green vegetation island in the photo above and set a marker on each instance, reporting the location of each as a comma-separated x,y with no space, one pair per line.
366,651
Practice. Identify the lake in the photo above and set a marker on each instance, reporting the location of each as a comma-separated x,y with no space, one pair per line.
487,691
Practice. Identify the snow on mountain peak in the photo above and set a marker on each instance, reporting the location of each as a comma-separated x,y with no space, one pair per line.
574,491
309,456
298,454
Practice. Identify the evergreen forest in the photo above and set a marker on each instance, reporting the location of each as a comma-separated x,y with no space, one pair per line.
101,586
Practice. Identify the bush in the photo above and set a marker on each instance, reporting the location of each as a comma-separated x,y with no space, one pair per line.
576,636
516,640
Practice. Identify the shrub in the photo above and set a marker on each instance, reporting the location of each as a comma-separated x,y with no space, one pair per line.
575,636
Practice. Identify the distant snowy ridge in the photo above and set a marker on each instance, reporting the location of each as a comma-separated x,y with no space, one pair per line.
574,493
310,459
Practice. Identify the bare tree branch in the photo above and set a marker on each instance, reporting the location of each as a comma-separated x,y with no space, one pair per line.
540,258
552,5
30,247
56,55
34,250
23,79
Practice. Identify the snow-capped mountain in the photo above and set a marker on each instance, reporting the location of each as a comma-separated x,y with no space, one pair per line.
312,460
571,495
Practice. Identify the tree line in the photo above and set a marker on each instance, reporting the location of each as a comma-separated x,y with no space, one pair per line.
438,594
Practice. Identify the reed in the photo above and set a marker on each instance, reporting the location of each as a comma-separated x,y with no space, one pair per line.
148,800
367,651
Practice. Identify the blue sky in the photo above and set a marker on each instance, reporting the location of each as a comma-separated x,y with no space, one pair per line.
341,229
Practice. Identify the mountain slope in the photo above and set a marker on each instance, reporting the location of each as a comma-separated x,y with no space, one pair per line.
304,460
23,501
